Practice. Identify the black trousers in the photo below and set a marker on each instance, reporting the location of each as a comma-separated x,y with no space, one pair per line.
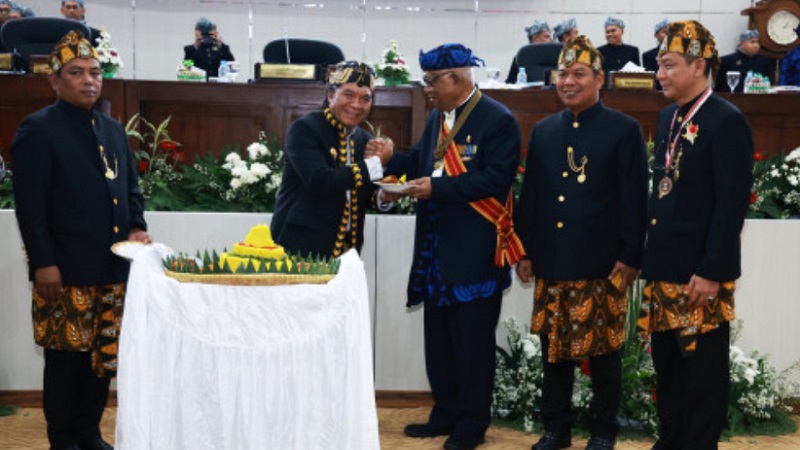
692,391
557,385
460,363
74,398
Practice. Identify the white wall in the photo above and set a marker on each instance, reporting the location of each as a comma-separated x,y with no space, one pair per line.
767,295
158,29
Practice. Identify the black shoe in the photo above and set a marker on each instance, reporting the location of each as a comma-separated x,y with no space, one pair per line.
426,430
553,441
97,444
463,442
600,443
659,445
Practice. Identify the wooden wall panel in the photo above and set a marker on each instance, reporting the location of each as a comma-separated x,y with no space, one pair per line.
207,117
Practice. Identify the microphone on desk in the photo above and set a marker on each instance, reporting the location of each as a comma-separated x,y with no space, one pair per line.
286,42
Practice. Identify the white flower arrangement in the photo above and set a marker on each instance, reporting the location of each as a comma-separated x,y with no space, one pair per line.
106,53
392,68
253,176
776,186
757,390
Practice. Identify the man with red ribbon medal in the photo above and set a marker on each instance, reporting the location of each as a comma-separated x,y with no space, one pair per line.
461,173
701,191
582,216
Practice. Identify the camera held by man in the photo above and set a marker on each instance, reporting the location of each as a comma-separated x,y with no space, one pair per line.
208,50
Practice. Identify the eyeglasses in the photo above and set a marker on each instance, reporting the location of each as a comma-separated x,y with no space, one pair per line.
429,81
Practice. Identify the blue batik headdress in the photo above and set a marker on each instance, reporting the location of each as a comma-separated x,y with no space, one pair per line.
448,56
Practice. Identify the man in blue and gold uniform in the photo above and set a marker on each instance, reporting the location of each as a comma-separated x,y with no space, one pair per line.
329,168
461,172
701,192
76,193
581,216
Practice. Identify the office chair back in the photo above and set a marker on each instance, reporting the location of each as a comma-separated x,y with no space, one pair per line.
38,35
539,58
304,51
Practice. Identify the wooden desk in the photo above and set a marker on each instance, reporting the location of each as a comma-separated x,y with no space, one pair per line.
207,117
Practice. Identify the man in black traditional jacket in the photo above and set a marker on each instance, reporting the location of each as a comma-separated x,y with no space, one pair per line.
701,192
581,216
329,168
76,193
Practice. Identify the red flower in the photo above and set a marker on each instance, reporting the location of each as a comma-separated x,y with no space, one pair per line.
653,394
521,169
143,166
169,146
753,197
586,367
401,61
758,156
177,156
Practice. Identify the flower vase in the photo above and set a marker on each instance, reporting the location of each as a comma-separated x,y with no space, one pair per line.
392,82
109,72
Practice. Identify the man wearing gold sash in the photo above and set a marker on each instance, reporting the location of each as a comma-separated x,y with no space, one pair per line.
581,215
461,172
701,191
76,193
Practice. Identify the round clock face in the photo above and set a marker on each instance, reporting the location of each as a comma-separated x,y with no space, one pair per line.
780,27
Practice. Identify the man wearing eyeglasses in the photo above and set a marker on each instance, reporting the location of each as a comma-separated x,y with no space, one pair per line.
461,173
329,168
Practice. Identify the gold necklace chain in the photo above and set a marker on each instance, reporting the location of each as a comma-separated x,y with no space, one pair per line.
350,213
581,170
109,174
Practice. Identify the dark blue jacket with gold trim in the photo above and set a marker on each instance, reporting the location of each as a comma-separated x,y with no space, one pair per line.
695,228
576,230
490,146
69,213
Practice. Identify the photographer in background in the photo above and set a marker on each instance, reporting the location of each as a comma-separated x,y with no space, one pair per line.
208,49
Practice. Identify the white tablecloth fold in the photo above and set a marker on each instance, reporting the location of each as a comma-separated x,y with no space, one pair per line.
235,367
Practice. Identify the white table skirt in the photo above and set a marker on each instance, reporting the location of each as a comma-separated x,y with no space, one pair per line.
235,367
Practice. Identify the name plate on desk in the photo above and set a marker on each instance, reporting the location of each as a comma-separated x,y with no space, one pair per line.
6,61
285,71
634,80
40,65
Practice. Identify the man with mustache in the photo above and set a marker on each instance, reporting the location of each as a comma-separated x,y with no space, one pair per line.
460,172
329,168
77,193
581,215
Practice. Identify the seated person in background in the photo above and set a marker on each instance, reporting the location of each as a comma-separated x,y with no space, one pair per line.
743,60
5,10
565,31
537,32
208,49
790,67
649,57
76,10
615,53
5,13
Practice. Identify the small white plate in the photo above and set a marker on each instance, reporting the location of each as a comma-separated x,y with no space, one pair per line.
394,188
129,249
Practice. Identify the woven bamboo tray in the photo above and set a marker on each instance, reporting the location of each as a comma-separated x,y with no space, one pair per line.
256,279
